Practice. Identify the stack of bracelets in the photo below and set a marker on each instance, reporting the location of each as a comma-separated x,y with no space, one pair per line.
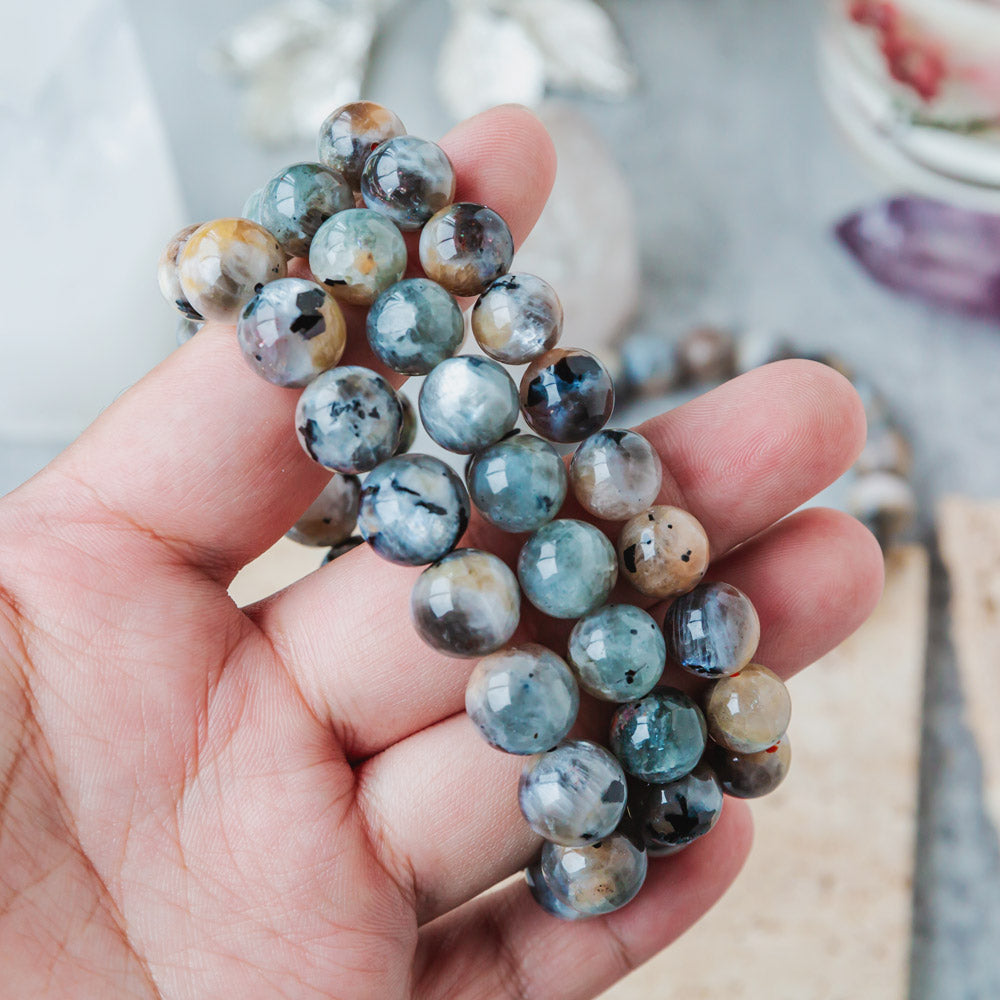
602,812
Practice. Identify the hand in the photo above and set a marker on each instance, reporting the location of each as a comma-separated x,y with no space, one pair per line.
199,801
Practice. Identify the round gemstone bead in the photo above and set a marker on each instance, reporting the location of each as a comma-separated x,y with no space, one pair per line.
598,878
357,254
616,474
749,711
518,484
545,897
664,551
414,509
660,737
351,133
466,247
467,604
168,276
348,545
251,207
408,179
296,202
186,329
712,631
517,319
573,795
750,775
567,568
467,403
618,652
415,325
409,432
566,395
673,815
522,700
331,517
291,331
349,419
223,263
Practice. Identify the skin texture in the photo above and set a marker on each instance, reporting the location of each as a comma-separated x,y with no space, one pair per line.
202,801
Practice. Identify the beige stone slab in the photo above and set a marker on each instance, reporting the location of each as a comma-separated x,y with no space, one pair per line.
969,536
281,565
822,910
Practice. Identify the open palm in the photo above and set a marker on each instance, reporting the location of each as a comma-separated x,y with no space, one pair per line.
200,801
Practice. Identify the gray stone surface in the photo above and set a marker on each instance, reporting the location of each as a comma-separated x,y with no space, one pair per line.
739,177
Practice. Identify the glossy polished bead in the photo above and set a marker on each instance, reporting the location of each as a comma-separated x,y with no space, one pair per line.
545,897
712,631
357,254
409,432
296,202
223,263
351,133
598,878
518,484
675,814
517,319
331,517
408,179
618,652
349,419
566,395
573,795
251,207
466,247
749,711
660,737
414,325
522,700
750,775
168,276
567,568
616,474
467,403
291,331
414,509
347,545
466,605
664,551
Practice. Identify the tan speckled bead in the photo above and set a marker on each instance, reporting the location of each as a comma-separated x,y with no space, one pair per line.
223,265
167,276
664,551
748,711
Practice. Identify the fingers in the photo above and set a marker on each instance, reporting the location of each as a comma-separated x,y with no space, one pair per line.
814,577
769,440
504,946
202,455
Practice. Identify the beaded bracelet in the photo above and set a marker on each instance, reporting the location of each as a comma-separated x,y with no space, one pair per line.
602,812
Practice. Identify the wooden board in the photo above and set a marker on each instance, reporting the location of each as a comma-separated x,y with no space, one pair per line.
969,538
822,910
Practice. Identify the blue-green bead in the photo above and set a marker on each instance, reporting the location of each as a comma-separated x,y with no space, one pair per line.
357,254
408,179
659,738
414,509
713,631
466,604
618,652
522,700
414,325
296,202
349,419
675,814
567,568
573,795
518,484
467,403
598,878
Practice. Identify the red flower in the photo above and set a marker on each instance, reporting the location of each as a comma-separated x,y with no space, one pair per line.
878,14
917,64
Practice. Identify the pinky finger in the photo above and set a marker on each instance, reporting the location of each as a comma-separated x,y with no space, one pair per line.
502,946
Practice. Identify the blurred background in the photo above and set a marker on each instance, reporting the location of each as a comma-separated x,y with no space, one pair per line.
738,181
